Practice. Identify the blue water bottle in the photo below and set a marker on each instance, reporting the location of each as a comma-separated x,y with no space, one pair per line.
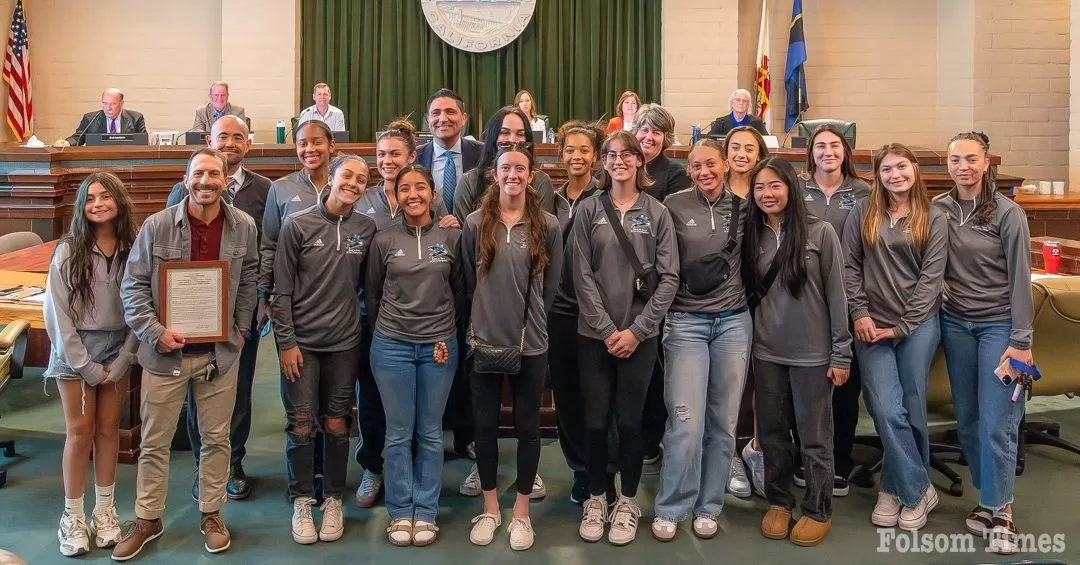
695,135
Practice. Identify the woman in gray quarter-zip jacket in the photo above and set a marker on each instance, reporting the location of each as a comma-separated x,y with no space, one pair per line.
413,289
318,269
92,350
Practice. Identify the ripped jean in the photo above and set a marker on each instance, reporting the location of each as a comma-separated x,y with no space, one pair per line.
323,392
704,375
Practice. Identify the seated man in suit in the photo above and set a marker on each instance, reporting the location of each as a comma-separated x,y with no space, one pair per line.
218,106
447,156
246,190
322,110
111,118
740,115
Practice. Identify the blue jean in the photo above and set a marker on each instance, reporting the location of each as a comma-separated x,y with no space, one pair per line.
414,389
894,382
704,374
987,420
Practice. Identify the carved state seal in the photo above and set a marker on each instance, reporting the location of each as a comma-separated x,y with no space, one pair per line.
478,26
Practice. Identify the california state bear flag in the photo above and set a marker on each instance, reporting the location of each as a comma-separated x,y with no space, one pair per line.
762,84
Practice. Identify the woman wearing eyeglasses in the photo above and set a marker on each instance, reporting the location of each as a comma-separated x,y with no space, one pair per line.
626,267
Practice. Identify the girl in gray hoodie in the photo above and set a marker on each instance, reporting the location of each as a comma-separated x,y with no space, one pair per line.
92,347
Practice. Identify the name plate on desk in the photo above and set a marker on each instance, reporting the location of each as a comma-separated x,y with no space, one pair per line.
194,299
117,139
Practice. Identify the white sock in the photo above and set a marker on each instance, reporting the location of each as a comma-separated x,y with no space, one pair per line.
104,496
74,506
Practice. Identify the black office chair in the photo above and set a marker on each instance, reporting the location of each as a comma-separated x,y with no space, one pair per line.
847,129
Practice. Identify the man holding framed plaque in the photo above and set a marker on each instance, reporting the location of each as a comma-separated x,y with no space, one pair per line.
189,296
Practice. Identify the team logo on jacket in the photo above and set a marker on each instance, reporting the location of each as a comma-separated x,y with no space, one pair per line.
354,244
727,223
641,224
438,253
523,240
847,201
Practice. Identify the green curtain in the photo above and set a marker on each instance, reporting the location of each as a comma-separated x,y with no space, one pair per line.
382,60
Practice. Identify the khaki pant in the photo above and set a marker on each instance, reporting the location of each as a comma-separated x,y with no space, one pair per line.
162,397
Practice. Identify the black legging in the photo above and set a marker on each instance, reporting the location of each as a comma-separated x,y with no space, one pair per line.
611,384
526,388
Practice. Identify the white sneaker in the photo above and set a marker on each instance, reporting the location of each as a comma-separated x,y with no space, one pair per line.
663,530
755,463
593,518
738,484
483,530
333,520
624,521
105,526
539,491
471,485
705,527
303,526
911,519
368,492
521,534
74,539
886,512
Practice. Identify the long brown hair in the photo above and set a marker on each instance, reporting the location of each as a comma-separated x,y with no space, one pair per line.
532,103
847,168
536,232
985,205
77,271
763,152
630,143
918,221
623,97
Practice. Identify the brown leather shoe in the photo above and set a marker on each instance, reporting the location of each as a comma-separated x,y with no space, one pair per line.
809,532
776,522
139,532
215,534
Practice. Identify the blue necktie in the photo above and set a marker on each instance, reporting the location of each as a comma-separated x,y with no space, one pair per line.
449,181
230,191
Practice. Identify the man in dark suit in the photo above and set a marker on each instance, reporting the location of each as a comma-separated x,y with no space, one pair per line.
246,190
740,115
111,118
448,155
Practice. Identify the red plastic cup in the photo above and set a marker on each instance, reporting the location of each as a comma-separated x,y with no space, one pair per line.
1051,253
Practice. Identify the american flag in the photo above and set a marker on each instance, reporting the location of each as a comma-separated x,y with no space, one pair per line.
20,111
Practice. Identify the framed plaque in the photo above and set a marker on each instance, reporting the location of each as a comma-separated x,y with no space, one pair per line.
195,299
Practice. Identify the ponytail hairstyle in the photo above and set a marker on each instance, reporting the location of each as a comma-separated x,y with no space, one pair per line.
792,271
629,143
711,144
77,271
536,231
847,168
403,129
985,205
592,130
918,221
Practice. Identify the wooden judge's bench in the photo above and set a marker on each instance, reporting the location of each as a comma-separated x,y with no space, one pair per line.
37,192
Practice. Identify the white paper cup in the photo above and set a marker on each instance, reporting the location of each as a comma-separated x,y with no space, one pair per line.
1059,187
1045,187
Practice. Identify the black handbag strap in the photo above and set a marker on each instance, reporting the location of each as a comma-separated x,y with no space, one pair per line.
733,229
617,227
766,283
525,316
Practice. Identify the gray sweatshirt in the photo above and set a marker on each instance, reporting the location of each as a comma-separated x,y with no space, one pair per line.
318,270
107,316
373,204
469,192
290,193
414,281
703,227
813,329
894,283
498,299
604,277
833,209
988,274
565,300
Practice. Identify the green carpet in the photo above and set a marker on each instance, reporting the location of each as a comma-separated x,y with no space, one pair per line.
1048,499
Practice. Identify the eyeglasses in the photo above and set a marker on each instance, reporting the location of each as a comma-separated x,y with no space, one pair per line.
515,145
623,156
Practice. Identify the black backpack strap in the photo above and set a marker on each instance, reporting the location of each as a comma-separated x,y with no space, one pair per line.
617,227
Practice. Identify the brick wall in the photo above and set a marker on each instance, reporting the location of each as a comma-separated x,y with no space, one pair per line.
163,55
700,60
1022,84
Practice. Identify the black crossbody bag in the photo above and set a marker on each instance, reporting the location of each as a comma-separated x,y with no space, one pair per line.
706,273
497,358
646,279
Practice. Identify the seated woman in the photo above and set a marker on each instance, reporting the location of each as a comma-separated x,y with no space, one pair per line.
740,115
625,112
524,102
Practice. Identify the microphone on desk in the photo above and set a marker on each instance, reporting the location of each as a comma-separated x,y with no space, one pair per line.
81,135
183,135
